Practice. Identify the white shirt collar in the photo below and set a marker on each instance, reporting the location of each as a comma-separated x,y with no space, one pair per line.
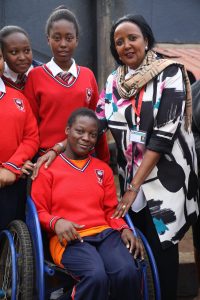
2,86
12,75
55,69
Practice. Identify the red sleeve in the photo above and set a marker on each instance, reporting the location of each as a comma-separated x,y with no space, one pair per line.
30,93
29,143
95,93
41,192
110,201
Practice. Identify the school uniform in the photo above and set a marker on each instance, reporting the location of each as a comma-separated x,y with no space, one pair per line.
54,99
102,261
15,80
19,142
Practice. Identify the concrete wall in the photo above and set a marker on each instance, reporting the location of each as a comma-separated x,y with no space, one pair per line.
32,16
172,21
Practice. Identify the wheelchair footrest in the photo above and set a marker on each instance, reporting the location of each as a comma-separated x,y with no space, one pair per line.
54,267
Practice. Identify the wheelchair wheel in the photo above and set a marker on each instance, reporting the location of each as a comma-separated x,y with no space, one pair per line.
149,277
7,268
25,265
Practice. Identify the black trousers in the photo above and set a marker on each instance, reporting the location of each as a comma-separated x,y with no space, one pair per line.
167,260
196,234
12,203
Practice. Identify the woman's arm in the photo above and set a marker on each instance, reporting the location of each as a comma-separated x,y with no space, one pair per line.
149,161
109,205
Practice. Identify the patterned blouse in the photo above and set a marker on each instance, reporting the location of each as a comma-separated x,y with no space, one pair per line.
171,187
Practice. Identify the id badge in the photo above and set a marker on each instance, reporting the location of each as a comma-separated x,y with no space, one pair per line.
137,136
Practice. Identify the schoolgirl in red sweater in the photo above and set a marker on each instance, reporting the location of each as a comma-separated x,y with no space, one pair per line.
19,142
59,87
18,56
76,199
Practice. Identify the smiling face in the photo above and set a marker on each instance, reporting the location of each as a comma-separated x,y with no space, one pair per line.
17,52
130,44
81,137
63,41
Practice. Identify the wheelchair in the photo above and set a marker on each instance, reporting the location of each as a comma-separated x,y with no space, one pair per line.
16,262
27,273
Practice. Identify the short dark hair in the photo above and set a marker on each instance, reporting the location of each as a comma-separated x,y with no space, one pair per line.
82,112
10,29
61,13
141,23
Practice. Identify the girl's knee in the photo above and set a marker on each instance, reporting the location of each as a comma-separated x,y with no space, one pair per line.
129,273
98,278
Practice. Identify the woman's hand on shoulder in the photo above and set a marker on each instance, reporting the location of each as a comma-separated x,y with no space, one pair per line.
124,204
132,243
6,177
67,230
46,159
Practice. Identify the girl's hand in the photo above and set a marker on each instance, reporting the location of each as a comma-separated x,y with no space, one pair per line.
124,204
47,158
27,168
132,243
6,177
67,230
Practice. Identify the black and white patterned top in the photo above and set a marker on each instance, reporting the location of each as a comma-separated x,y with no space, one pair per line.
171,187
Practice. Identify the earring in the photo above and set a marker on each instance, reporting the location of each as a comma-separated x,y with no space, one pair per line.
146,48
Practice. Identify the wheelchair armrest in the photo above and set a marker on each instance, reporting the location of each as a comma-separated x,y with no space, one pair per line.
130,224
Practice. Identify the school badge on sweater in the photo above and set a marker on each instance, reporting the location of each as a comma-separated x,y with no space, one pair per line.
19,103
99,174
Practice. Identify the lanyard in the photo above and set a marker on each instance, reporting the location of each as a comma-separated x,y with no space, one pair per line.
137,109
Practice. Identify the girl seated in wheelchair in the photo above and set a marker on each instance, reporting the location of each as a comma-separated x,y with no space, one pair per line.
76,199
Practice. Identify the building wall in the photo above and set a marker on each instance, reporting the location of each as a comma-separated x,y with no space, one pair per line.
172,21
32,16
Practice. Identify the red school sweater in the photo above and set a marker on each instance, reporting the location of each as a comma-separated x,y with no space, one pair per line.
86,196
18,129
53,101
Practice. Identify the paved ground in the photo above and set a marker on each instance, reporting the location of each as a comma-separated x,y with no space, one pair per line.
187,275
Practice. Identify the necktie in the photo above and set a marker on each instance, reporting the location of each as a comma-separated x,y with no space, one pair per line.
65,76
21,79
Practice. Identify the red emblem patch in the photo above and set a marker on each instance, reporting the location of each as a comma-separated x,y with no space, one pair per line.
19,103
100,174
88,95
